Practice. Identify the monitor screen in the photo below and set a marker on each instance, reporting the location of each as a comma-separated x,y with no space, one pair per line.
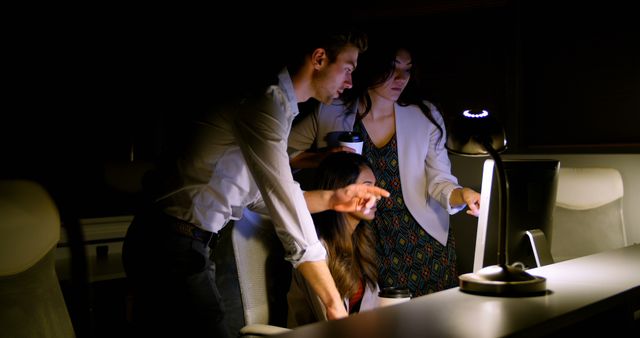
530,203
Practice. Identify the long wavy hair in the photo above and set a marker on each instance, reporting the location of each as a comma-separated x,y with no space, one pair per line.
351,257
374,69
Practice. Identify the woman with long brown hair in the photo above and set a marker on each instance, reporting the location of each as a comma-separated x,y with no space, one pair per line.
349,241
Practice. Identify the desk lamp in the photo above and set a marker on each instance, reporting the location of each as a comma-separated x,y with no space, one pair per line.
477,133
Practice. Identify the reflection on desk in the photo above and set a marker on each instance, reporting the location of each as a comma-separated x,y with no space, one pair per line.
593,294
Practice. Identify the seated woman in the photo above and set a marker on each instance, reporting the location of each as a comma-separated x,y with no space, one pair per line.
350,245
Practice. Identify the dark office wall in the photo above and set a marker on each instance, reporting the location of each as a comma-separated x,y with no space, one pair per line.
580,77
96,92
561,76
108,86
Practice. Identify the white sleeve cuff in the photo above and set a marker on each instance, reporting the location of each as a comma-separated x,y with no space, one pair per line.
313,253
447,193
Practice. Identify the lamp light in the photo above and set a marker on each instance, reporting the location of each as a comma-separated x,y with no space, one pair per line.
478,133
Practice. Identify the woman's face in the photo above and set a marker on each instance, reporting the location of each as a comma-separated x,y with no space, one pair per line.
397,81
366,177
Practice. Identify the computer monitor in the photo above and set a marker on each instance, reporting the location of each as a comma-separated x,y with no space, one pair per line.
531,199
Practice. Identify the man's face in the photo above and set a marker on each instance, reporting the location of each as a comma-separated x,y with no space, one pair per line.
331,79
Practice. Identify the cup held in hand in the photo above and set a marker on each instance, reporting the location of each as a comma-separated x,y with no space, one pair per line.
352,140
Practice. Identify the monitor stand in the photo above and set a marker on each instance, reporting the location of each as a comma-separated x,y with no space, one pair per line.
540,247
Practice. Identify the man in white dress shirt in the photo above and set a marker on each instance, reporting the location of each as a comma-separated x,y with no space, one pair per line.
233,158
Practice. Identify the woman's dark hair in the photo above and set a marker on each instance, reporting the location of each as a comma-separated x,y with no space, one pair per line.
376,66
350,256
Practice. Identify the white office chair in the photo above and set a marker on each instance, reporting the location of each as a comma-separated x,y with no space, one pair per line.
588,217
31,301
262,281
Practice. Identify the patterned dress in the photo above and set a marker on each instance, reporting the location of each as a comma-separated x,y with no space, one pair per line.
407,256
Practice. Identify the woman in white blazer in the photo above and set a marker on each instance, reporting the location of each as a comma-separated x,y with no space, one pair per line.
404,139
350,245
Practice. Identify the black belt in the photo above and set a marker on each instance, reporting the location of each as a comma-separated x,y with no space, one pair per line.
187,229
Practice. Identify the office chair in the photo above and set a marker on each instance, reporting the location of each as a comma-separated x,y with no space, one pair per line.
31,301
588,217
263,277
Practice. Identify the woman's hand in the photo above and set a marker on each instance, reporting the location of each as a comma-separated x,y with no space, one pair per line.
466,196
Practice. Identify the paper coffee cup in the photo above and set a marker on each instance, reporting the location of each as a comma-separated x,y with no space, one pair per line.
357,146
352,140
392,296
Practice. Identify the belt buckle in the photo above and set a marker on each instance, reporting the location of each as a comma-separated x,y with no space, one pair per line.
200,234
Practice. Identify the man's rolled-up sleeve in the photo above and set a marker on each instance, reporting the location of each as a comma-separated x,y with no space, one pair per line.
262,128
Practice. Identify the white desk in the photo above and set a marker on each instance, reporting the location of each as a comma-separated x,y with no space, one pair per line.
600,292
106,233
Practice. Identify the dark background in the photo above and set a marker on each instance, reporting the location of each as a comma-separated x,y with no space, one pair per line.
94,91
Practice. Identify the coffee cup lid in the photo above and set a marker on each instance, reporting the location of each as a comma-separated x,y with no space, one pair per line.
350,136
393,292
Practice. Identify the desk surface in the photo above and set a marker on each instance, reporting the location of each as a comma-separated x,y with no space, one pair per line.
579,288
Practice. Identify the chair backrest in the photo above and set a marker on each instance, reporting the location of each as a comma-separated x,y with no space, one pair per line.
31,301
252,276
264,276
588,217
